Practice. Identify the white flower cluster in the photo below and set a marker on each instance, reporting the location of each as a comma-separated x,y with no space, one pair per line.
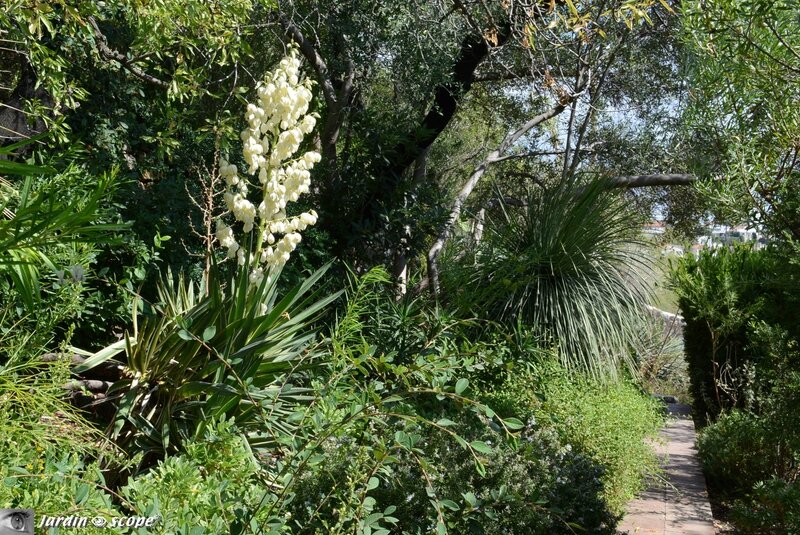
275,129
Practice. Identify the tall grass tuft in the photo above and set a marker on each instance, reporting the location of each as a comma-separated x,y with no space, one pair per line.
570,264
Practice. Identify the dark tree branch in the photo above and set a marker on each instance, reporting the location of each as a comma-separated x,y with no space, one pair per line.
594,95
500,76
649,181
336,101
780,38
505,200
474,49
314,59
530,176
536,153
126,63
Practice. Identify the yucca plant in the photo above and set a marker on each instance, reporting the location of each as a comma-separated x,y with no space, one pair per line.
569,263
229,350
232,349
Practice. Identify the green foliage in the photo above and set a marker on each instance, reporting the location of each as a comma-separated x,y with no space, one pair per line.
742,350
661,360
175,46
236,416
213,487
233,345
33,409
415,454
45,444
771,507
753,463
719,294
39,218
567,263
745,87
538,486
735,451
607,422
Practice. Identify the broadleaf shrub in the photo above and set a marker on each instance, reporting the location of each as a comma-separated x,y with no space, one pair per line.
608,422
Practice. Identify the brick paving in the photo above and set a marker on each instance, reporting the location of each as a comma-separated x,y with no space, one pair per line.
679,504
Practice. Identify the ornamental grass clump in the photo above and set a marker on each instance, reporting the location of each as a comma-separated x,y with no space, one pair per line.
276,126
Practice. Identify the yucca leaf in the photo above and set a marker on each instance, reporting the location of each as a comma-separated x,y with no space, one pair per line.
102,356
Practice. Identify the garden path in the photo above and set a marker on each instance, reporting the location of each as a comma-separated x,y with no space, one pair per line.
677,505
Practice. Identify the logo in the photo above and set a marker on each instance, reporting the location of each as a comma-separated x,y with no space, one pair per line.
16,521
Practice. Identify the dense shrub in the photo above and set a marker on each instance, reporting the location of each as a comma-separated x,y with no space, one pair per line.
606,421
773,506
44,445
719,294
744,363
215,486
748,462
736,452
536,486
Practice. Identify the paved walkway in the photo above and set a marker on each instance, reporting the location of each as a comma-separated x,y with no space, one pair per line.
678,506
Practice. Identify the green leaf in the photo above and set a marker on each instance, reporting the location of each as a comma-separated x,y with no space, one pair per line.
371,519
81,494
23,169
209,332
480,468
373,483
481,446
471,499
514,423
572,8
401,438
186,335
101,356
450,504
461,385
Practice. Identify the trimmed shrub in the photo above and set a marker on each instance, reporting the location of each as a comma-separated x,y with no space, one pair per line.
744,363
718,294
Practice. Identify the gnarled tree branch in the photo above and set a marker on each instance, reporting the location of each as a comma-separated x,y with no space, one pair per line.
126,63
336,101
314,59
